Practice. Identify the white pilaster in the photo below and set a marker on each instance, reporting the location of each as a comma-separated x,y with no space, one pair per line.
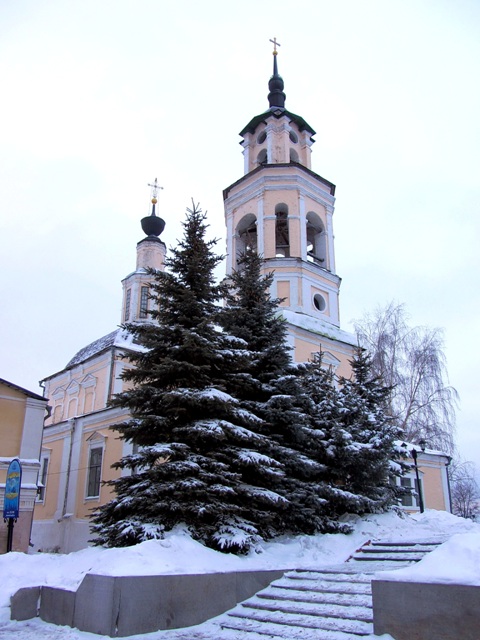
260,226
303,226
32,428
330,236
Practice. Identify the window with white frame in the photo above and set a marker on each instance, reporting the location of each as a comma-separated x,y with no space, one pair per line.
94,471
42,476
410,500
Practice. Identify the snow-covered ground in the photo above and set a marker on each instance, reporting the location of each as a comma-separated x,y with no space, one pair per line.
458,560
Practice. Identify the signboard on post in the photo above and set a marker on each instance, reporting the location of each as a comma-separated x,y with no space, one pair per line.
11,504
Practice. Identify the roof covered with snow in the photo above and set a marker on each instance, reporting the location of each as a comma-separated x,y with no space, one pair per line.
118,338
319,326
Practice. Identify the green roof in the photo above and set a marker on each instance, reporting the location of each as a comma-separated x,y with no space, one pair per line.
277,112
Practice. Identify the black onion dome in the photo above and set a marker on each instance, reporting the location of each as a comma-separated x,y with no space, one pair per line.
276,97
152,225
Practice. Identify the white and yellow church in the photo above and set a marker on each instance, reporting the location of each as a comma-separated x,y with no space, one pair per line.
280,208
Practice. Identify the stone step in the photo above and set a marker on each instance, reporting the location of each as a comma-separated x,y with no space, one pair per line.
307,621
377,548
320,586
388,556
274,630
392,551
328,576
299,595
426,543
332,610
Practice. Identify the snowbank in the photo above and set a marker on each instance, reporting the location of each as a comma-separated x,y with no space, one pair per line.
456,561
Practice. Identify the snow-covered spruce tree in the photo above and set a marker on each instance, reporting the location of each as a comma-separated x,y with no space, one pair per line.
361,441
307,484
252,315
270,387
193,439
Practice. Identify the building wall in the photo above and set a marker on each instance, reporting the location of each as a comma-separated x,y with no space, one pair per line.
62,517
435,484
21,426
433,473
12,416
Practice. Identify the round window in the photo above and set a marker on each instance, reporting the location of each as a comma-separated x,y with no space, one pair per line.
319,302
293,137
261,137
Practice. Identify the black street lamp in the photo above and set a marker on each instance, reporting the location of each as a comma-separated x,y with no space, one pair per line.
414,454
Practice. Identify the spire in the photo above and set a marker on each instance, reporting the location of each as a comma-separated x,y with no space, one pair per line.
152,225
276,97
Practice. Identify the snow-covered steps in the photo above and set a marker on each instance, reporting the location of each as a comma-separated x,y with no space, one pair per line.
394,551
254,629
330,604
312,605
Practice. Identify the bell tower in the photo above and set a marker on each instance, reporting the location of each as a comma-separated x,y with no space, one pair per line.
151,253
284,210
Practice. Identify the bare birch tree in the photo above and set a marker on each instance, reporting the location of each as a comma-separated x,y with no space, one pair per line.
465,490
412,361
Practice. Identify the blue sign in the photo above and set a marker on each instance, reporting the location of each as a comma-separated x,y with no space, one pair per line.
11,503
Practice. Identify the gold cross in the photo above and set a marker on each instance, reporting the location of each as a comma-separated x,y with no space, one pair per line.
275,45
155,188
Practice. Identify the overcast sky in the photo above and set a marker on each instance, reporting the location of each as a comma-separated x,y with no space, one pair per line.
99,97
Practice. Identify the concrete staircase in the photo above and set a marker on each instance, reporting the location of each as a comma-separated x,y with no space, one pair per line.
329,604
402,552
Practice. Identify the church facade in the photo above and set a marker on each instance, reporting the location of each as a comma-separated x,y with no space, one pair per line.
280,208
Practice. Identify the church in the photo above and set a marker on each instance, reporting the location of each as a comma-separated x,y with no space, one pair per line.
280,208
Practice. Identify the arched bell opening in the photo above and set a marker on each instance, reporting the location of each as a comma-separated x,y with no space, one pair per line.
316,240
282,237
246,235
262,157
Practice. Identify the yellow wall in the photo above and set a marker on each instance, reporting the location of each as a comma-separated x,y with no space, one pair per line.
12,416
45,510
433,488
21,425
112,453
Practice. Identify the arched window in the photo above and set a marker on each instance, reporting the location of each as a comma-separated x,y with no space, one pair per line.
282,238
262,157
293,155
246,234
316,240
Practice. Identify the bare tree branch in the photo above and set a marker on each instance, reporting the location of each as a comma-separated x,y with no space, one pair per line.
412,361
465,490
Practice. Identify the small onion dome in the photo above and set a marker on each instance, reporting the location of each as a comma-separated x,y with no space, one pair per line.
276,97
152,225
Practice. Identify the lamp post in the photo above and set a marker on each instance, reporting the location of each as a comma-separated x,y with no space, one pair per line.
414,454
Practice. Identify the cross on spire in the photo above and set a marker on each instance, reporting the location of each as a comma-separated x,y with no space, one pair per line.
155,187
275,45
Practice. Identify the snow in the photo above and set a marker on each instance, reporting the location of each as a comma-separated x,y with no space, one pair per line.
318,325
458,560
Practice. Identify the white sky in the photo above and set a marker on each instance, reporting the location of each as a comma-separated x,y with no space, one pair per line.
101,97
